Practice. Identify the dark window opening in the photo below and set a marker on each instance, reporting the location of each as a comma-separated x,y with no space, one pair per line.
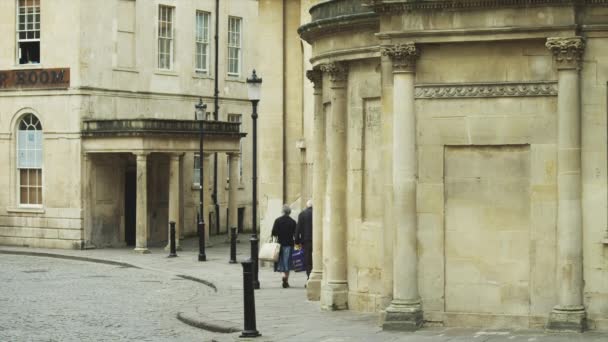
29,52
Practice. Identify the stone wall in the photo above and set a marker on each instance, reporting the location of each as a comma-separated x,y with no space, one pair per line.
496,146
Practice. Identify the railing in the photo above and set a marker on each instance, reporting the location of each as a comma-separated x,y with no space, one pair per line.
336,8
157,126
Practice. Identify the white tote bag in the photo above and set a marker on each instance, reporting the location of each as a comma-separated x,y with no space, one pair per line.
270,251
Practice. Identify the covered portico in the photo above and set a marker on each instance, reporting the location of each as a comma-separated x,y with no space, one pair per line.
136,166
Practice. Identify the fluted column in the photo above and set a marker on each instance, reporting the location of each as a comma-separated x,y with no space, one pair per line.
313,287
569,313
405,310
174,198
334,293
233,182
141,228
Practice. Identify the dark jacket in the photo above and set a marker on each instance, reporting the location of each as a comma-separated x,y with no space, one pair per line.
284,228
304,227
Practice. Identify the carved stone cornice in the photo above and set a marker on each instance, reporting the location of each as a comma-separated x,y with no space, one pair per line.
568,51
403,56
316,77
396,7
472,90
337,71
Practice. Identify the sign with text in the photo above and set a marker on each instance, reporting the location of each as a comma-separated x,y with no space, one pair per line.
35,79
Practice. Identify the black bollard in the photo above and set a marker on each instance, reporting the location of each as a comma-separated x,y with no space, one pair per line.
254,252
233,245
172,253
249,300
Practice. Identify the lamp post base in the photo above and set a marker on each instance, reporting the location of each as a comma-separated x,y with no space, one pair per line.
202,257
250,333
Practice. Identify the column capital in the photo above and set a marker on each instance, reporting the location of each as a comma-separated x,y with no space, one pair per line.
141,155
175,155
403,56
567,51
316,77
233,154
337,71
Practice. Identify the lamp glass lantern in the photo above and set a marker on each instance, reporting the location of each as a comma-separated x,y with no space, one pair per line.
199,110
254,87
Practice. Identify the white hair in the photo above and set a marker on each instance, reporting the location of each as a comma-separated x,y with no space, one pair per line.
309,203
286,210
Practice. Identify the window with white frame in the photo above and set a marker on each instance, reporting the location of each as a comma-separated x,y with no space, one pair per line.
29,161
197,170
234,46
196,175
165,37
202,41
28,31
239,119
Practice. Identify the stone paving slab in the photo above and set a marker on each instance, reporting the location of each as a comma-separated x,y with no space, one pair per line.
282,314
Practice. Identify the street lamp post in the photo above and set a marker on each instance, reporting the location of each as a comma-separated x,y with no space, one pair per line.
199,112
254,85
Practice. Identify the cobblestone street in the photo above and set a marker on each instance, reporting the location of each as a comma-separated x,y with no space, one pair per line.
45,299
51,299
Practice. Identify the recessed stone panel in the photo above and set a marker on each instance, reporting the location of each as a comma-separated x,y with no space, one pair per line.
487,224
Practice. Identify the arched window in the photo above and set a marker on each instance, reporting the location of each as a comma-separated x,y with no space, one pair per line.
29,160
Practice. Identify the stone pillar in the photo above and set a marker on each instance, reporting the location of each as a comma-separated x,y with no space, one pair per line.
313,287
405,310
388,228
174,199
334,293
87,196
205,162
141,228
569,314
233,160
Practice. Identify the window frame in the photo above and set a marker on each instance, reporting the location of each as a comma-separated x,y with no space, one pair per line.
239,57
40,167
18,31
205,42
170,39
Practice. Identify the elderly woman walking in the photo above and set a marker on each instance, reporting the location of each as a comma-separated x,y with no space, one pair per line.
284,229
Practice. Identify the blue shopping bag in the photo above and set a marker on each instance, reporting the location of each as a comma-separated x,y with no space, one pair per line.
297,260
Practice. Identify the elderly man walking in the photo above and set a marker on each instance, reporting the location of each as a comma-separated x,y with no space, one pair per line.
304,235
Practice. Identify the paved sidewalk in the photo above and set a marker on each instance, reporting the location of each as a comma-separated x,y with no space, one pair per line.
282,314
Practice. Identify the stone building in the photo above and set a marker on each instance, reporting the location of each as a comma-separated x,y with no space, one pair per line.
97,127
458,152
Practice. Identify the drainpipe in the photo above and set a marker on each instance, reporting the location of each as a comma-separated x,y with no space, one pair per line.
284,105
216,113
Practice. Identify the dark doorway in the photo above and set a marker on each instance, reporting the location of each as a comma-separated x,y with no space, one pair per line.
130,206
241,217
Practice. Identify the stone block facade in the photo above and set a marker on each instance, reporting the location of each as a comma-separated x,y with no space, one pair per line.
475,145
113,72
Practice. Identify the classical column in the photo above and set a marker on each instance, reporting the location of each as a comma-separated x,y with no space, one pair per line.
313,287
334,293
405,310
233,160
205,162
174,198
141,228
87,196
569,314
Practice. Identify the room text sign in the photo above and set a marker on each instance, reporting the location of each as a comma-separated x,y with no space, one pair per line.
35,79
